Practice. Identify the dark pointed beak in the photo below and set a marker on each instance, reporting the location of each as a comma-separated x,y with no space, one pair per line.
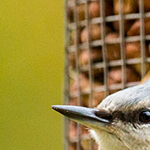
87,116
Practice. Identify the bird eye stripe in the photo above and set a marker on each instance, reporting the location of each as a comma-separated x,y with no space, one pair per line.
133,116
104,115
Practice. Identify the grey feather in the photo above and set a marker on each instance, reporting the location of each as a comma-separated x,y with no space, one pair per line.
126,98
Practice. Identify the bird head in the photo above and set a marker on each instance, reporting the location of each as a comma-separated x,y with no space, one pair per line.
120,122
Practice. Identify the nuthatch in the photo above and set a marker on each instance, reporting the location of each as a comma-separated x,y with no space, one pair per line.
120,122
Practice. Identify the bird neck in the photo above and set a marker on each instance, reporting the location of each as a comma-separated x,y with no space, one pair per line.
107,141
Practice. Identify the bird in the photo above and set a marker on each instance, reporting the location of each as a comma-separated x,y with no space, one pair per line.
120,122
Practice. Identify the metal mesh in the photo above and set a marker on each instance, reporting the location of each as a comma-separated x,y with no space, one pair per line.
106,50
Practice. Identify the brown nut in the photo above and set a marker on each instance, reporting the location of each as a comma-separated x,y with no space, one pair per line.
96,56
115,75
133,50
127,25
70,14
108,8
81,12
135,28
113,50
83,36
72,60
72,129
94,33
138,67
95,146
84,84
85,88
146,5
85,143
72,39
84,100
94,9
73,101
72,146
97,98
97,73
129,6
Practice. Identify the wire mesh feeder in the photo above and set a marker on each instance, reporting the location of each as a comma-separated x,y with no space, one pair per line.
107,49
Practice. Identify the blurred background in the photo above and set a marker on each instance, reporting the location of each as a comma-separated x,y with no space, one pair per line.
31,74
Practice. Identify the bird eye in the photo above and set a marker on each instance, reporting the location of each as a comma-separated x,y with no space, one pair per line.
144,117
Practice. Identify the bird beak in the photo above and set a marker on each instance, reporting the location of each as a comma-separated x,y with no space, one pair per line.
87,116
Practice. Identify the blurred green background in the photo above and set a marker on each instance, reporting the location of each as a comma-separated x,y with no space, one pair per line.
31,74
